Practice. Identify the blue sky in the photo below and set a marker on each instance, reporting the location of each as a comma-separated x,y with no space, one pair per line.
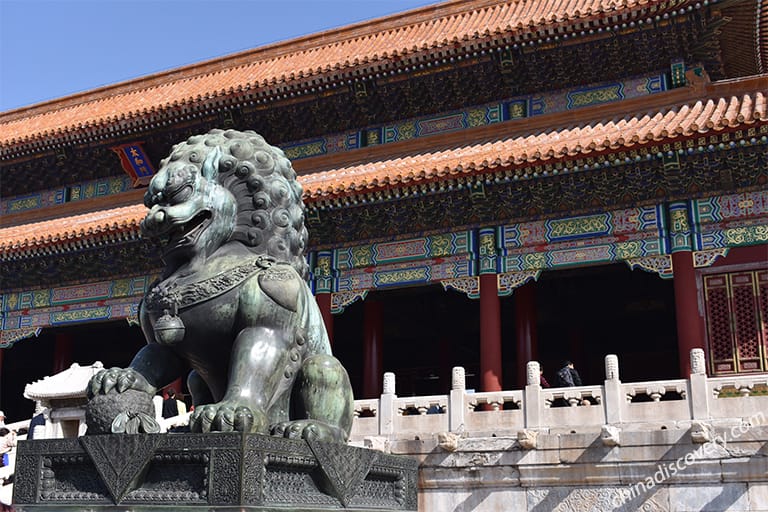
53,48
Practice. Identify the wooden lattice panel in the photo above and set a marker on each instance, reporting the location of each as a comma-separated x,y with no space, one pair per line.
762,307
745,321
721,347
737,309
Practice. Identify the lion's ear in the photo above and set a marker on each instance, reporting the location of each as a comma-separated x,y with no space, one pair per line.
211,164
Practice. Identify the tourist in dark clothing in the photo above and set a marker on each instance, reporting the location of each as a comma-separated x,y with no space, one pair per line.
170,406
567,376
38,420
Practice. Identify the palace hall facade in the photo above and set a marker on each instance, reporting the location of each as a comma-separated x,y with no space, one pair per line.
486,183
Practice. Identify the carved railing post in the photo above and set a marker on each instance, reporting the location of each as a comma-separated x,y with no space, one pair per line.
532,373
387,406
613,398
532,397
456,400
698,396
698,363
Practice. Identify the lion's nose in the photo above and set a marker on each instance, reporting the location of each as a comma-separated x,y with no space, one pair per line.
159,217
154,220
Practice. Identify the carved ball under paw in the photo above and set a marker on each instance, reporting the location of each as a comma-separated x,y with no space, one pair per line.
103,409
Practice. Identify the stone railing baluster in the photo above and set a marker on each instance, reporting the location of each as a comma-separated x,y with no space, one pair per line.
387,406
656,392
746,389
532,396
456,410
698,397
612,399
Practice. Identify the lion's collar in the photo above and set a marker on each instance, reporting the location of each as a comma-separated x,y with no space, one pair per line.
224,274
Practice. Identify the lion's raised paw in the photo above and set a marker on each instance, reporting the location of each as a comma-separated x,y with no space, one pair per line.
118,380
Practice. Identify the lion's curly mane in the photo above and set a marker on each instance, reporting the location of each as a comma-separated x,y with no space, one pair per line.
270,211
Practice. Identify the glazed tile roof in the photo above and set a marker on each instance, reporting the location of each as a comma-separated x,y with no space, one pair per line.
106,224
529,147
371,45
723,107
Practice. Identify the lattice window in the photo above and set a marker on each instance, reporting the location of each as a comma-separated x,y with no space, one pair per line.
745,329
737,309
762,300
719,323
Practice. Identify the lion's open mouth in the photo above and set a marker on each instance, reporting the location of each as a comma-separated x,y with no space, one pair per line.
186,233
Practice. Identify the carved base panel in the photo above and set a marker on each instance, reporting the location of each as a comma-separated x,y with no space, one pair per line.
211,472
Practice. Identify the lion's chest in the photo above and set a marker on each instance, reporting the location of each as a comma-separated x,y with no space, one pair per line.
199,310
208,308
207,322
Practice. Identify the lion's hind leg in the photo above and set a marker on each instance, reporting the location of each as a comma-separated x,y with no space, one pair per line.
322,401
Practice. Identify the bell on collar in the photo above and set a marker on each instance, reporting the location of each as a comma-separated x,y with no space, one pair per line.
169,329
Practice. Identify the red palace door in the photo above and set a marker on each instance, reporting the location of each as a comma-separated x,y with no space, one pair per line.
737,321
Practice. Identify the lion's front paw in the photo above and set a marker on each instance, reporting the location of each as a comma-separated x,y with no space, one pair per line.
120,380
309,429
227,417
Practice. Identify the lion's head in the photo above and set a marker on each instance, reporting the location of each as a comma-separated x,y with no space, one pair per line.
227,186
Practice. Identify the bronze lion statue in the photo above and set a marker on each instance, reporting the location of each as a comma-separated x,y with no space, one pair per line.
232,309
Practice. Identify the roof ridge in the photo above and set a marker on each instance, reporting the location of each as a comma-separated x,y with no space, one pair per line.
274,47
336,37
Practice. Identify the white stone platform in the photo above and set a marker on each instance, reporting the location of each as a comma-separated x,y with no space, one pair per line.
684,445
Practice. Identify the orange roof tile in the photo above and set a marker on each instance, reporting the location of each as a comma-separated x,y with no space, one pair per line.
38,235
623,132
739,105
380,41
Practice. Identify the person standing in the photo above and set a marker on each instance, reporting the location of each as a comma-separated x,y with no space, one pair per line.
567,376
170,405
7,443
37,423
542,380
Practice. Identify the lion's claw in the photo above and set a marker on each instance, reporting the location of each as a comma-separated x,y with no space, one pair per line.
226,417
120,380
308,429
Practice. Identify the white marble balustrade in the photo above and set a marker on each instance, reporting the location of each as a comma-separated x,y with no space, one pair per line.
634,406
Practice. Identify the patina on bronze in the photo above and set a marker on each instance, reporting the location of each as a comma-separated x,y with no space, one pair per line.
232,310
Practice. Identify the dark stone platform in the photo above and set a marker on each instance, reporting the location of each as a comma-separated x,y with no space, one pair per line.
212,472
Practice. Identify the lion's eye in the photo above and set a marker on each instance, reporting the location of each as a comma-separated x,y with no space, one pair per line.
180,195
180,184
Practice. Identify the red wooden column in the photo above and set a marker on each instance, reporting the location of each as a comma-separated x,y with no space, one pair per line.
490,334
525,329
373,350
177,387
690,329
324,302
62,352
690,332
